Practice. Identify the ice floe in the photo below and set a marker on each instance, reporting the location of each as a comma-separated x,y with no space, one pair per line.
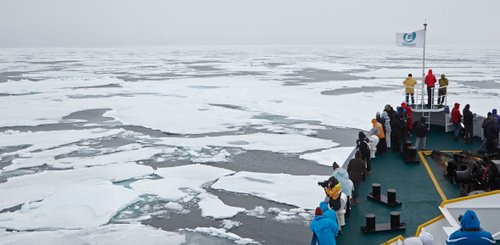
327,157
283,143
44,140
222,233
58,185
212,206
184,183
49,158
174,179
299,191
87,204
230,224
115,234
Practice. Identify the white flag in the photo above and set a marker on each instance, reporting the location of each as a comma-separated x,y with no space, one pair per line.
413,39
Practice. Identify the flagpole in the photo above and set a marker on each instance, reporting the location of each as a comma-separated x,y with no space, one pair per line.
423,64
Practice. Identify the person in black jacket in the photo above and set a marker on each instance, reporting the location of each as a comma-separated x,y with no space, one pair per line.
482,148
468,120
364,148
397,132
420,129
357,173
491,135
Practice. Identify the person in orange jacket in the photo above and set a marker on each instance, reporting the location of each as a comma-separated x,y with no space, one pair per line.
378,130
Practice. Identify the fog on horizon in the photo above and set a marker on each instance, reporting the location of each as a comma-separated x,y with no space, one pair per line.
94,23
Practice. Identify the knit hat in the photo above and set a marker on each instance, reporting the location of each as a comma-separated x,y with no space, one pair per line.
361,135
335,165
457,104
318,212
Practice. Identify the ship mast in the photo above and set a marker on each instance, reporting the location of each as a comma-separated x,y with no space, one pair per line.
423,64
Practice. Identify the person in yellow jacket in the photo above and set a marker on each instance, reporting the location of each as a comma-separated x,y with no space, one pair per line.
443,84
333,190
409,83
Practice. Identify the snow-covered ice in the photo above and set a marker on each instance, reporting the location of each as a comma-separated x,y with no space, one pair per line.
219,232
117,234
212,206
327,157
283,143
300,191
175,180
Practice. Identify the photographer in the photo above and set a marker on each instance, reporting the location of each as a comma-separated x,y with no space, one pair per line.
333,190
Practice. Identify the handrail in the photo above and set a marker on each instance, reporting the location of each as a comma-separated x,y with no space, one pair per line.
427,223
418,96
393,240
458,199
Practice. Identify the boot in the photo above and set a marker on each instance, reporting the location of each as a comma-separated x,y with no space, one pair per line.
355,201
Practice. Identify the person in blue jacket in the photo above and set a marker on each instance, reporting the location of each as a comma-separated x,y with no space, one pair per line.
329,213
324,229
470,232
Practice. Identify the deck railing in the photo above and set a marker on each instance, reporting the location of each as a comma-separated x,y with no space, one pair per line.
421,96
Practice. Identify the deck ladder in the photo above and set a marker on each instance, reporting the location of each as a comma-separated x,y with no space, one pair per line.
427,115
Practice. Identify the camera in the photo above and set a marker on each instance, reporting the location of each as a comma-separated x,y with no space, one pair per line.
323,184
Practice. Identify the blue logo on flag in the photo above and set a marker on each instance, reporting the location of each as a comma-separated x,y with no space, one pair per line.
409,37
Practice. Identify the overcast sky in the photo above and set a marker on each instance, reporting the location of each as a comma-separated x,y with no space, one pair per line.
89,23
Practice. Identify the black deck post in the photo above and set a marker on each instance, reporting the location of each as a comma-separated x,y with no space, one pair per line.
391,196
395,219
389,200
370,221
371,226
376,190
411,154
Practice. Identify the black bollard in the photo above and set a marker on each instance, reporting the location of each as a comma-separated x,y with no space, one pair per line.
391,196
411,154
376,190
370,221
395,222
372,227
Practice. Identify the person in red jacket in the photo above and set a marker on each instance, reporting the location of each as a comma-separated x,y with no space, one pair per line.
409,114
430,81
456,119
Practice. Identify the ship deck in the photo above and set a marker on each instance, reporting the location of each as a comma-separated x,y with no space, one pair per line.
419,194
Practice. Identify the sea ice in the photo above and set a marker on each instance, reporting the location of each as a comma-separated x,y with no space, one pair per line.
44,140
230,224
283,143
327,157
86,204
175,180
115,234
299,191
36,187
222,233
212,206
